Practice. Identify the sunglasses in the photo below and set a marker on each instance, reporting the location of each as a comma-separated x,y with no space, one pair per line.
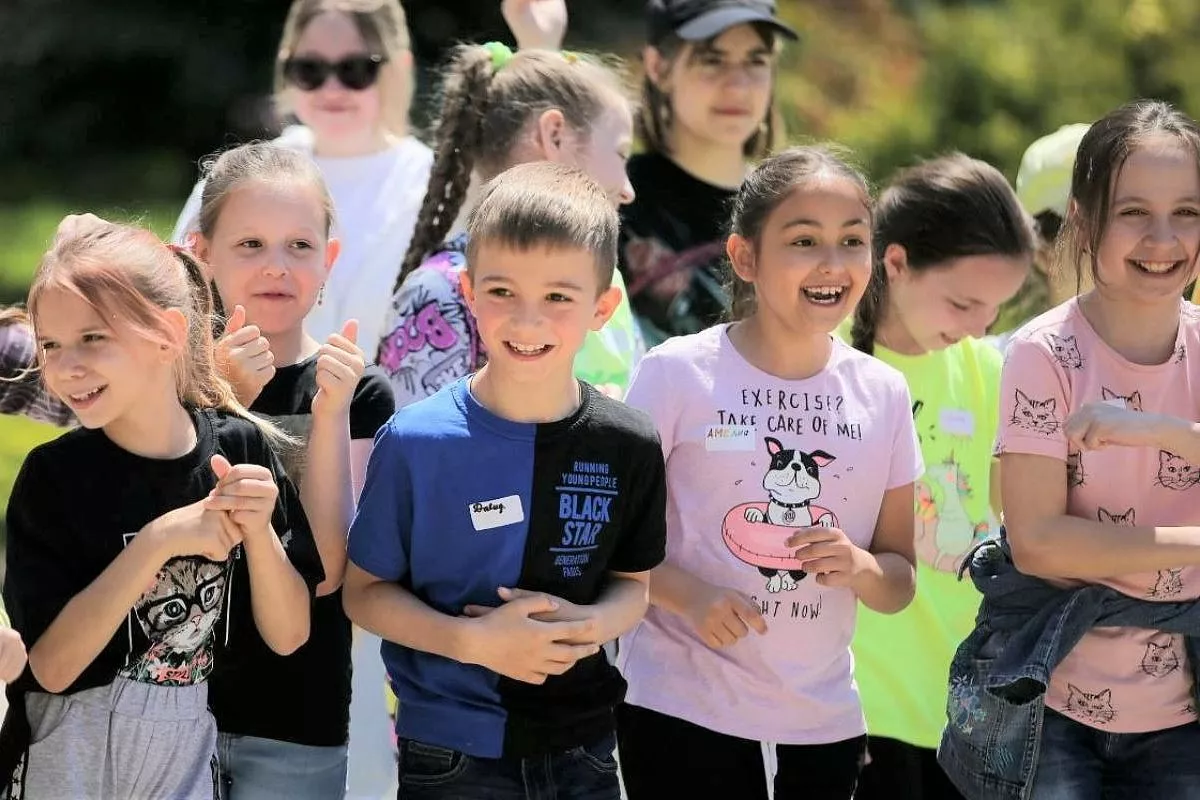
354,72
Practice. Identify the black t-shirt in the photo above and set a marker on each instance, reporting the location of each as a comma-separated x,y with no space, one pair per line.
672,253
304,697
80,499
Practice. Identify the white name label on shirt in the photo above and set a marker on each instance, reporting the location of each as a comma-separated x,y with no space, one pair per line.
957,421
725,438
1119,402
497,513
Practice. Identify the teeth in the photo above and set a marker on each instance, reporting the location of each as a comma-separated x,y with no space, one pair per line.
1157,267
527,349
80,398
824,294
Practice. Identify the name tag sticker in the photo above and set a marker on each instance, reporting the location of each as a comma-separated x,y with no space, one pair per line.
1117,402
957,421
728,438
496,513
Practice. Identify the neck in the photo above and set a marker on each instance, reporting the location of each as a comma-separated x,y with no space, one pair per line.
718,164
549,401
1142,334
292,347
890,333
169,433
788,355
365,144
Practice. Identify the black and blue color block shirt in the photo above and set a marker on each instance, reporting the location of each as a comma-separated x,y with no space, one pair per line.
459,502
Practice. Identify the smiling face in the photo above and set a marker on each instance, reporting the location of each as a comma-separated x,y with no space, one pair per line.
1152,235
533,308
106,373
270,252
812,260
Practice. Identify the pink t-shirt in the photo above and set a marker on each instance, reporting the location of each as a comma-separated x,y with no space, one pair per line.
751,457
1124,680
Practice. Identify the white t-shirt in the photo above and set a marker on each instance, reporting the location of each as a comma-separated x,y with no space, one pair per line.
377,199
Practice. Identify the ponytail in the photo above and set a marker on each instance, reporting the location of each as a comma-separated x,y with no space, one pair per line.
866,313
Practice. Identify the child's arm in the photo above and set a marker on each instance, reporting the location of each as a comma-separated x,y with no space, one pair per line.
279,597
1099,425
509,641
12,655
327,491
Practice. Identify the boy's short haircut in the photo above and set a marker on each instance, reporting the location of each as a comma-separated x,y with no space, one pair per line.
546,205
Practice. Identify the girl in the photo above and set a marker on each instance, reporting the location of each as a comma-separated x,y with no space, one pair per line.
500,110
790,466
707,109
265,220
951,245
164,552
345,72
1120,717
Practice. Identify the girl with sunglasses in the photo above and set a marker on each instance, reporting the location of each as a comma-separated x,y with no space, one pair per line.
344,74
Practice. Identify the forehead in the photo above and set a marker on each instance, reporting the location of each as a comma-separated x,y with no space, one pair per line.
541,265
330,33
269,202
738,40
1161,167
828,199
989,278
60,311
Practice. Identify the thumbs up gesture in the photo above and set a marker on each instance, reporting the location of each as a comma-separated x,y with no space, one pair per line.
244,357
246,493
340,363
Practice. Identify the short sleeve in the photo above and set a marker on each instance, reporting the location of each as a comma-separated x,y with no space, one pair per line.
990,362
372,406
382,526
429,338
290,522
907,464
643,543
1033,402
650,390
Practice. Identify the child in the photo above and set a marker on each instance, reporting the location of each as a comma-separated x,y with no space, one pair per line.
142,541
951,245
1119,718
265,221
499,110
791,459
344,71
522,488
707,110
20,390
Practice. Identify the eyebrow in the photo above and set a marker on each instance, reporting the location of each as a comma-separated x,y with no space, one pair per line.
1191,198
712,49
812,223
551,285
80,332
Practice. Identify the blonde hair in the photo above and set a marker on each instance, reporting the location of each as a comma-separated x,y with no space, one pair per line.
382,25
126,273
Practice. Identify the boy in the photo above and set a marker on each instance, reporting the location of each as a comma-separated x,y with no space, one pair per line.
508,523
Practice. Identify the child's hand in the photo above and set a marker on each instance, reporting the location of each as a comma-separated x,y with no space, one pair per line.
194,530
246,493
722,616
510,640
563,611
340,364
829,554
244,357
1099,425
12,655
536,24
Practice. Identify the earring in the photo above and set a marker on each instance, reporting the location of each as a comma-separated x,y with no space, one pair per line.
321,295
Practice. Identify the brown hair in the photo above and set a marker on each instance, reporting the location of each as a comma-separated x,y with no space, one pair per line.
382,25
127,273
484,112
766,187
654,118
542,204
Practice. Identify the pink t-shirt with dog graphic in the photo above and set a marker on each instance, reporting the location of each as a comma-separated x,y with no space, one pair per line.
750,458
1121,680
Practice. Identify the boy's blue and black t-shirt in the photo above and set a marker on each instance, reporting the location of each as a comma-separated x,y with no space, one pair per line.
459,502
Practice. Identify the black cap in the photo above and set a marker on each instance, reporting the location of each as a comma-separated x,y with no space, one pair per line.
695,20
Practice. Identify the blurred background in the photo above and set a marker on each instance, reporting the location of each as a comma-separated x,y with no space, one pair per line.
106,105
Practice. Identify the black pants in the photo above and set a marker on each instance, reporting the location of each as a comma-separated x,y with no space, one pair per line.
901,771
663,757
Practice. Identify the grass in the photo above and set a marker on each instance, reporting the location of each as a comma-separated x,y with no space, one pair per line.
26,231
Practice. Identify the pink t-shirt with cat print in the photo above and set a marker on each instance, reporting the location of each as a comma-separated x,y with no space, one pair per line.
1123,680
750,458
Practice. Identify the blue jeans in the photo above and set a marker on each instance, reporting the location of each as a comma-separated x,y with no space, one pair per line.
428,772
1078,762
266,769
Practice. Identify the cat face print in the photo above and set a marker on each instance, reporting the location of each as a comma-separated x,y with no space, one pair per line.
1035,415
1132,401
1169,583
1095,708
1160,660
1065,350
182,609
1106,516
1176,473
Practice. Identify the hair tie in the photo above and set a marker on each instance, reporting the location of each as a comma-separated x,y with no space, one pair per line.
570,56
501,54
